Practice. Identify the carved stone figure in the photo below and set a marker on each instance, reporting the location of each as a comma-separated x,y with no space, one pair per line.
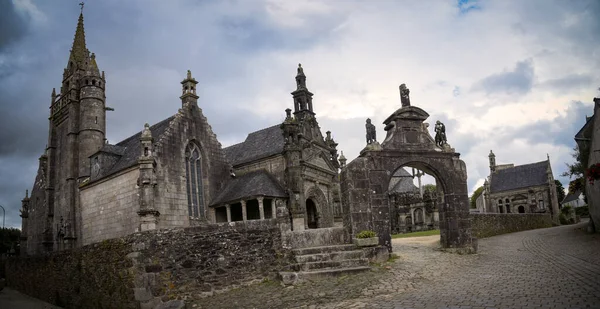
404,98
440,134
371,132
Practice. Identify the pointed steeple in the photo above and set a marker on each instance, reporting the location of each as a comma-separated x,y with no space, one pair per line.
79,51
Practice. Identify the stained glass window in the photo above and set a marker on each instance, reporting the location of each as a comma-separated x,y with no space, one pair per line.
193,174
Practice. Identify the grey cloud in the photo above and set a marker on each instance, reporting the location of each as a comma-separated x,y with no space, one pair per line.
518,81
13,26
558,131
568,83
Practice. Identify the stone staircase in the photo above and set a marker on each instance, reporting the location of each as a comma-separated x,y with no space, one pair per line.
324,261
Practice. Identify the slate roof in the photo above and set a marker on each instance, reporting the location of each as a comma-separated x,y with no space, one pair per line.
255,183
585,132
113,149
521,176
403,182
131,148
258,145
571,197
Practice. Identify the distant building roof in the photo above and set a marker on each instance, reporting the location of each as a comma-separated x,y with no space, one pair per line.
520,176
255,183
260,144
402,182
586,130
571,197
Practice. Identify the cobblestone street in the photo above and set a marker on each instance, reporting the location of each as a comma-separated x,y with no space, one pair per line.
547,268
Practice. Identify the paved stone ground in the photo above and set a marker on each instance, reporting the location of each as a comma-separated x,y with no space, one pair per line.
11,299
547,268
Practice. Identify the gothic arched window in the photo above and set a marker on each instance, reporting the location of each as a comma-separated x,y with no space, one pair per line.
193,173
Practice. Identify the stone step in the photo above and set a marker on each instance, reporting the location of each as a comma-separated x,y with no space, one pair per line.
330,256
323,249
297,277
328,265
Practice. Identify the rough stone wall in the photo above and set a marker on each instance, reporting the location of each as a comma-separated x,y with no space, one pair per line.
110,208
38,215
171,200
593,190
486,225
274,165
93,276
155,266
64,159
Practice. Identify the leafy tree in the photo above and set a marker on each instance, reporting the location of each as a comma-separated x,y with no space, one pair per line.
560,190
577,169
475,196
429,188
9,240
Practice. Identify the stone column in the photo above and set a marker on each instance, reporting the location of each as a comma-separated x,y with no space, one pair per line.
212,215
24,224
273,209
436,219
412,216
244,213
402,223
261,208
228,212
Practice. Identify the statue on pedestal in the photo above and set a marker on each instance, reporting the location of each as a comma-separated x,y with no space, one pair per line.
440,134
404,98
371,132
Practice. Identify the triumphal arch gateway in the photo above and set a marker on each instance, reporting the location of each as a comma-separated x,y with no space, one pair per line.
365,180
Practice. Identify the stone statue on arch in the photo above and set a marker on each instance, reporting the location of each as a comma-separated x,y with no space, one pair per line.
440,134
371,132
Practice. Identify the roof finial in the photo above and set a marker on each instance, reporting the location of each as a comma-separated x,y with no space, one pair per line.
82,4
189,74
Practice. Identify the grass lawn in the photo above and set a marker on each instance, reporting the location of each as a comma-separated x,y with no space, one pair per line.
417,234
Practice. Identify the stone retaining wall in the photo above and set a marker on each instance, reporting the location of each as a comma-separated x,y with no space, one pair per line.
486,225
145,269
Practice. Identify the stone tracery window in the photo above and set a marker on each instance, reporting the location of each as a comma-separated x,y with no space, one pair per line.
193,173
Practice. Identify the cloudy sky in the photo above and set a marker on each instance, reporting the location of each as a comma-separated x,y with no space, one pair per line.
516,76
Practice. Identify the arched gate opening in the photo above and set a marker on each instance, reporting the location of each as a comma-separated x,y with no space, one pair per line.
365,180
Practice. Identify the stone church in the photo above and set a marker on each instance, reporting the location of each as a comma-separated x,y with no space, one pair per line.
527,188
174,173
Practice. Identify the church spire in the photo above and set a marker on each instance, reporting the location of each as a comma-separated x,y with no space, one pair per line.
79,51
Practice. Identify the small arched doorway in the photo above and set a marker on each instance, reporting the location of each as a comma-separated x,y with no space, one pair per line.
521,209
312,217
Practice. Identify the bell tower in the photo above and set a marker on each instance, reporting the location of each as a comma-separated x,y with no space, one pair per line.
302,97
188,90
77,127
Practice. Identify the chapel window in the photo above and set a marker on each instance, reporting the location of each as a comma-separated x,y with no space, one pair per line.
541,204
507,204
193,173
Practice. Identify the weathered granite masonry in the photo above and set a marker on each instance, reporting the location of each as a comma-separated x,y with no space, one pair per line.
146,269
487,225
365,181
